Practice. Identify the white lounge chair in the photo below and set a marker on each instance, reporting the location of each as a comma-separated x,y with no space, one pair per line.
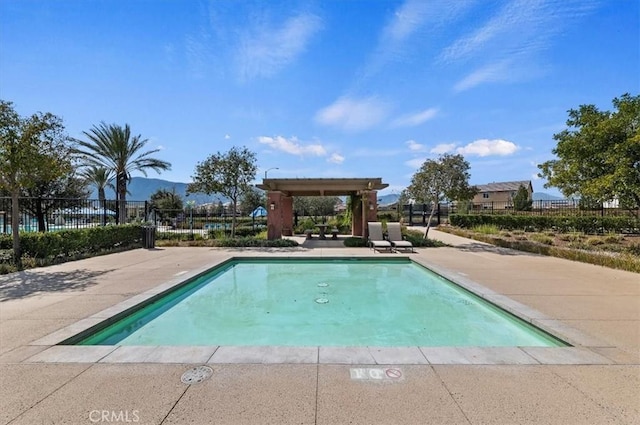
394,234
376,240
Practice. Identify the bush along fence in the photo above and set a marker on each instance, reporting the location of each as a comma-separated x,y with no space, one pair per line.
585,224
64,245
418,214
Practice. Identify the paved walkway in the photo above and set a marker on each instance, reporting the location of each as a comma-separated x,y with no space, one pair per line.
599,307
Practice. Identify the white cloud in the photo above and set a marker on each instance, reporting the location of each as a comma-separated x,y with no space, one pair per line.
509,42
227,137
407,19
415,162
410,28
160,147
414,146
414,119
494,72
336,158
292,146
443,148
353,114
486,147
535,176
266,50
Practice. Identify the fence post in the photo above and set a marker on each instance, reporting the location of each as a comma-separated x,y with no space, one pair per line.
410,214
438,214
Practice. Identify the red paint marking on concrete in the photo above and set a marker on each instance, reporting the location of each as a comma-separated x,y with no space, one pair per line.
393,373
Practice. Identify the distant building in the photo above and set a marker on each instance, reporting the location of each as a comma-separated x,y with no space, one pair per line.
499,195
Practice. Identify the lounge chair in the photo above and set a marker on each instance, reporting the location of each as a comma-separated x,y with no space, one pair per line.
394,233
376,241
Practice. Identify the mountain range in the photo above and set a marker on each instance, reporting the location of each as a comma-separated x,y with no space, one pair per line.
141,189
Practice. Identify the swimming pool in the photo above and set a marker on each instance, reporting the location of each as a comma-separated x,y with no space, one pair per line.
321,302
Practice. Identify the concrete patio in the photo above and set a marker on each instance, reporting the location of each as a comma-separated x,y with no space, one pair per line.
598,381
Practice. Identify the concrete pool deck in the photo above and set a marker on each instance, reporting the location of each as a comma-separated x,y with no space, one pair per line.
596,306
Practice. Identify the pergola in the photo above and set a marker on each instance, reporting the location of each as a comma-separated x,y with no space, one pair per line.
280,193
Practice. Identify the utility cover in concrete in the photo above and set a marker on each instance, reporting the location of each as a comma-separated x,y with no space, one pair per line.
196,375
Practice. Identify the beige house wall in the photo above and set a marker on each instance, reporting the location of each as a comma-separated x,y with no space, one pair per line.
500,199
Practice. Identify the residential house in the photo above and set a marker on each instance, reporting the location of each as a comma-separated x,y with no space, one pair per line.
499,195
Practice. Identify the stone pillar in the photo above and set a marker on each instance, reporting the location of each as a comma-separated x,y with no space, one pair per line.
369,210
372,207
274,215
287,215
356,216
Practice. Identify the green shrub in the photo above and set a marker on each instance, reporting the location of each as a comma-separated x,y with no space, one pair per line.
355,242
387,216
540,223
244,231
634,249
613,239
417,239
305,224
6,241
543,239
570,237
487,229
595,241
217,234
54,247
253,242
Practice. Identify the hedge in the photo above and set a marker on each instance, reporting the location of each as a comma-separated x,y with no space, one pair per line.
538,223
77,242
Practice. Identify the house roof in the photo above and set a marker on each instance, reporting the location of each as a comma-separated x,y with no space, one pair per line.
504,186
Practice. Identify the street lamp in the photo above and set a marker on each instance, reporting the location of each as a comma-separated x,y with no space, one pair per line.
266,171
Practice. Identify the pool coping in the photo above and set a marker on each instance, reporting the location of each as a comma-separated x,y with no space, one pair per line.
579,353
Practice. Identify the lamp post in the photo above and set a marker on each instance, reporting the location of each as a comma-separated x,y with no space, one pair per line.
266,171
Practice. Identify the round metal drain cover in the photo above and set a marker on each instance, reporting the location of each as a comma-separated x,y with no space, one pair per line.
322,300
196,375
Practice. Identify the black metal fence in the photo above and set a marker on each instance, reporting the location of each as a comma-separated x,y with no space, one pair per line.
418,214
52,214
564,207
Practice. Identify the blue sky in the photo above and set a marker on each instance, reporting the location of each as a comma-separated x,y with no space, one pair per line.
326,88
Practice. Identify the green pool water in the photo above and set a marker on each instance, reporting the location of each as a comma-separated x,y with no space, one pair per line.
321,303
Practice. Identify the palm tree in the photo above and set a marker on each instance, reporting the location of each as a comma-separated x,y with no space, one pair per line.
112,147
98,177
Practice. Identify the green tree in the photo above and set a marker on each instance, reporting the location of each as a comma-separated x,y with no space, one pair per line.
521,200
252,199
599,154
229,174
32,149
445,178
315,206
167,203
99,177
112,147
66,192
